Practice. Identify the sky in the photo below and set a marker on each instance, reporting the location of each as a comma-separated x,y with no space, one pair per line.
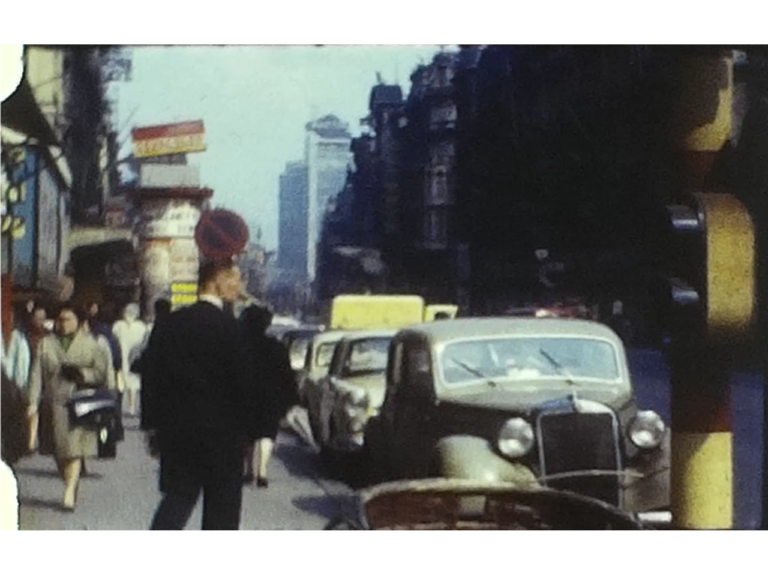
255,101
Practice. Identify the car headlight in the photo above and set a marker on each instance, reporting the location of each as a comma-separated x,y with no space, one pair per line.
357,397
516,438
646,430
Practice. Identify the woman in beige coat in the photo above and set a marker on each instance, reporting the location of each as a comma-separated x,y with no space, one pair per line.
65,359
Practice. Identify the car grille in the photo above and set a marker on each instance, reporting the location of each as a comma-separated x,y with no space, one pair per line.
572,442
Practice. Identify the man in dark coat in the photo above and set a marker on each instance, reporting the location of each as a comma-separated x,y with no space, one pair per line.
195,404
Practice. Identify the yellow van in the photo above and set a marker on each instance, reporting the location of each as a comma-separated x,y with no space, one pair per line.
373,312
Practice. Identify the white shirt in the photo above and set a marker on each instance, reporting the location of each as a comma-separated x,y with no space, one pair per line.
17,361
211,299
9,499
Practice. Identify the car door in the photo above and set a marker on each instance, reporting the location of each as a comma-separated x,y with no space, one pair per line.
327,393
413,412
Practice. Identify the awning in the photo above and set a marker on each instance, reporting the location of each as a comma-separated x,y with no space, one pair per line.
21,113
80,237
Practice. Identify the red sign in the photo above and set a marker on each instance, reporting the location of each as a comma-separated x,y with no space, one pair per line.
168,139
221,234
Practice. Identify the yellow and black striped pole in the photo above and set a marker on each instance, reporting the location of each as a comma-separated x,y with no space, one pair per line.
722,269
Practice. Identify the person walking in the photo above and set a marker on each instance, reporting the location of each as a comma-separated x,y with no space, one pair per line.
30,319
195,405
66,361
13,403
272,377
130,332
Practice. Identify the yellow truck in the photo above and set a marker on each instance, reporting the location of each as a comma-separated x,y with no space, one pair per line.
372,312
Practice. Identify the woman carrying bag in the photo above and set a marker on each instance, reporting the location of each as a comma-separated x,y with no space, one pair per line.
68,362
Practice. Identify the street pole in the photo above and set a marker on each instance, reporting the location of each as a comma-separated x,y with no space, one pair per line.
715,299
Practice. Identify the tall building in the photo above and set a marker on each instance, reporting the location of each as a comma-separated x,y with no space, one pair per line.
327,157
293,213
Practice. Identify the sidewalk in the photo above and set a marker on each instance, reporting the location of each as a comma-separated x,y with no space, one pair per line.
122,494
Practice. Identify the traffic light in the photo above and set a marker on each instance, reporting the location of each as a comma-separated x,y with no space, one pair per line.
712,309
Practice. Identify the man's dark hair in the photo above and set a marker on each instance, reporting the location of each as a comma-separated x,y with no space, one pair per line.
256,319
209,270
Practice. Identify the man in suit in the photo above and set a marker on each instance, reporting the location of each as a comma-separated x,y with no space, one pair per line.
195,402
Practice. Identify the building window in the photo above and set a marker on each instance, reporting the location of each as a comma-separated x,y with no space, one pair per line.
437,186
436,227
443,115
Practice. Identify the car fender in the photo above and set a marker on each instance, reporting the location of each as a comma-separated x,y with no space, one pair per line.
651,491
471,457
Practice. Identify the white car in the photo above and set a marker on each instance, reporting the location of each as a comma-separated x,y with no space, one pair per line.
352,391
316,364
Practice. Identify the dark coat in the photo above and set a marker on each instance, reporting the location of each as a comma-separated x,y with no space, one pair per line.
194,394
272,379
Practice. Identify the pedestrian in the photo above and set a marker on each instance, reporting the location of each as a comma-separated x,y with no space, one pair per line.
130,331
271,374
34,327
100,330
195,405
162,308
15,376
66,361
9,499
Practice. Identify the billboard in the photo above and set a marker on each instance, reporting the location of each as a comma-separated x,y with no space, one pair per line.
168,139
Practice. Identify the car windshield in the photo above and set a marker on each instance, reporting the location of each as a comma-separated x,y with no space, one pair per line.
324,354
529,358
367,356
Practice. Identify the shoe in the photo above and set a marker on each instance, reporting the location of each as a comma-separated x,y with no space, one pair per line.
248,479
262,482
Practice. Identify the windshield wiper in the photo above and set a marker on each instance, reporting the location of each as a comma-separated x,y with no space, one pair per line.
562,370
475,372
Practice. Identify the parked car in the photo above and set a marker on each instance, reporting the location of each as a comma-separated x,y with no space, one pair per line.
316,365
519,400
352,391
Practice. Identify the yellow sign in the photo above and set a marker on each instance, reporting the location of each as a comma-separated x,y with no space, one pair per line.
184,288
169,145
182,299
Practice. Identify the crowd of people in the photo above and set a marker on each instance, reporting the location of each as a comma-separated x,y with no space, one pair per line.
208,389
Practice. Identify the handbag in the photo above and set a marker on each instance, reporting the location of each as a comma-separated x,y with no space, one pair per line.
93,409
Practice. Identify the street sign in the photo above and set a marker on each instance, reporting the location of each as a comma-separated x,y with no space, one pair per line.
168,139
221,234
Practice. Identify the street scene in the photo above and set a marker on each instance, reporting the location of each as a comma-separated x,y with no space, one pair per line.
384,287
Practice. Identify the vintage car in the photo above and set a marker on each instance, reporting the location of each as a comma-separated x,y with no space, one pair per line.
522,400
352,391
296,340
316,364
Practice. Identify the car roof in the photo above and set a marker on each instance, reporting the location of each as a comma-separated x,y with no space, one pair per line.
361,334
329,336
463,328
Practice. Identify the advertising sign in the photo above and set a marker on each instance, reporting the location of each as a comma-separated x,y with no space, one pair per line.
168,139
169,219
184,259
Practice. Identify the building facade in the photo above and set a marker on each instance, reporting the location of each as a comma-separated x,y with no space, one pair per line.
327,157
293,220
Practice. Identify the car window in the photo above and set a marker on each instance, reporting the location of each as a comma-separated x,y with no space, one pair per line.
298,350
324,354
524,358
368,355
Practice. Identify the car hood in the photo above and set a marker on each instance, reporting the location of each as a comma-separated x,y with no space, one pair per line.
526,398
374,384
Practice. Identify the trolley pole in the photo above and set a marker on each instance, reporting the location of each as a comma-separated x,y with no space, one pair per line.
714,298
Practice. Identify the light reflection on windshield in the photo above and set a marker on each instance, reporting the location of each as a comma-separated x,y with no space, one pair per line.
522,359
